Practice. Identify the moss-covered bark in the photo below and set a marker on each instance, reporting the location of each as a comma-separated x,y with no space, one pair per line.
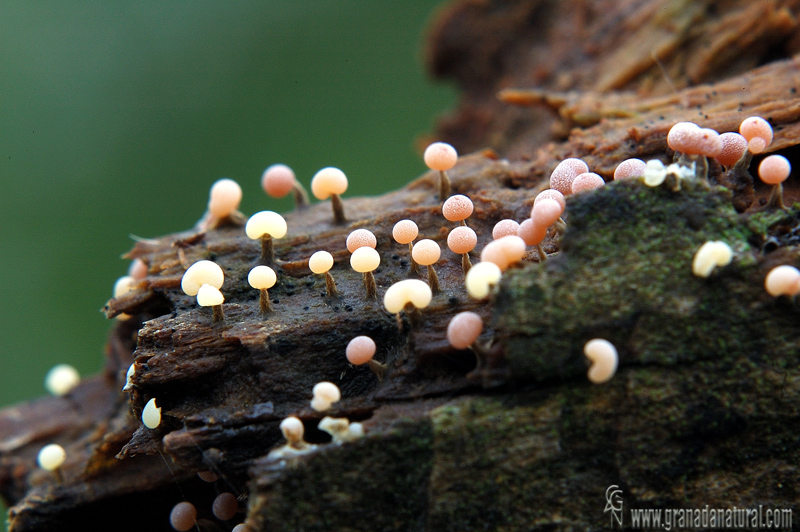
626,275
703,408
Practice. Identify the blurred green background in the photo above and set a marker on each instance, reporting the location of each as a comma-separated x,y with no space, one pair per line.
116,117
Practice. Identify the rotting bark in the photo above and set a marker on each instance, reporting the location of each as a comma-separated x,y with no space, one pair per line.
602,48
701,411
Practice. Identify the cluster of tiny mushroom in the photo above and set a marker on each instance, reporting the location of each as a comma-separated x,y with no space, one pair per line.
204,279
340,429
694,144
733,151
225,506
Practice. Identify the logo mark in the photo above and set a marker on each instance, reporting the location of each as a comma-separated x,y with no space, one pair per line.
614,504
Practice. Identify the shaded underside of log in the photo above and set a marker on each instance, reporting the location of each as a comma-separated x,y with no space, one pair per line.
701,411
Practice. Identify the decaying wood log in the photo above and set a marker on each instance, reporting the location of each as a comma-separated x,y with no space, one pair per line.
703,408
652,48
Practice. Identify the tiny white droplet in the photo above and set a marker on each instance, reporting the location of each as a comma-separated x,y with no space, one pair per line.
151,415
